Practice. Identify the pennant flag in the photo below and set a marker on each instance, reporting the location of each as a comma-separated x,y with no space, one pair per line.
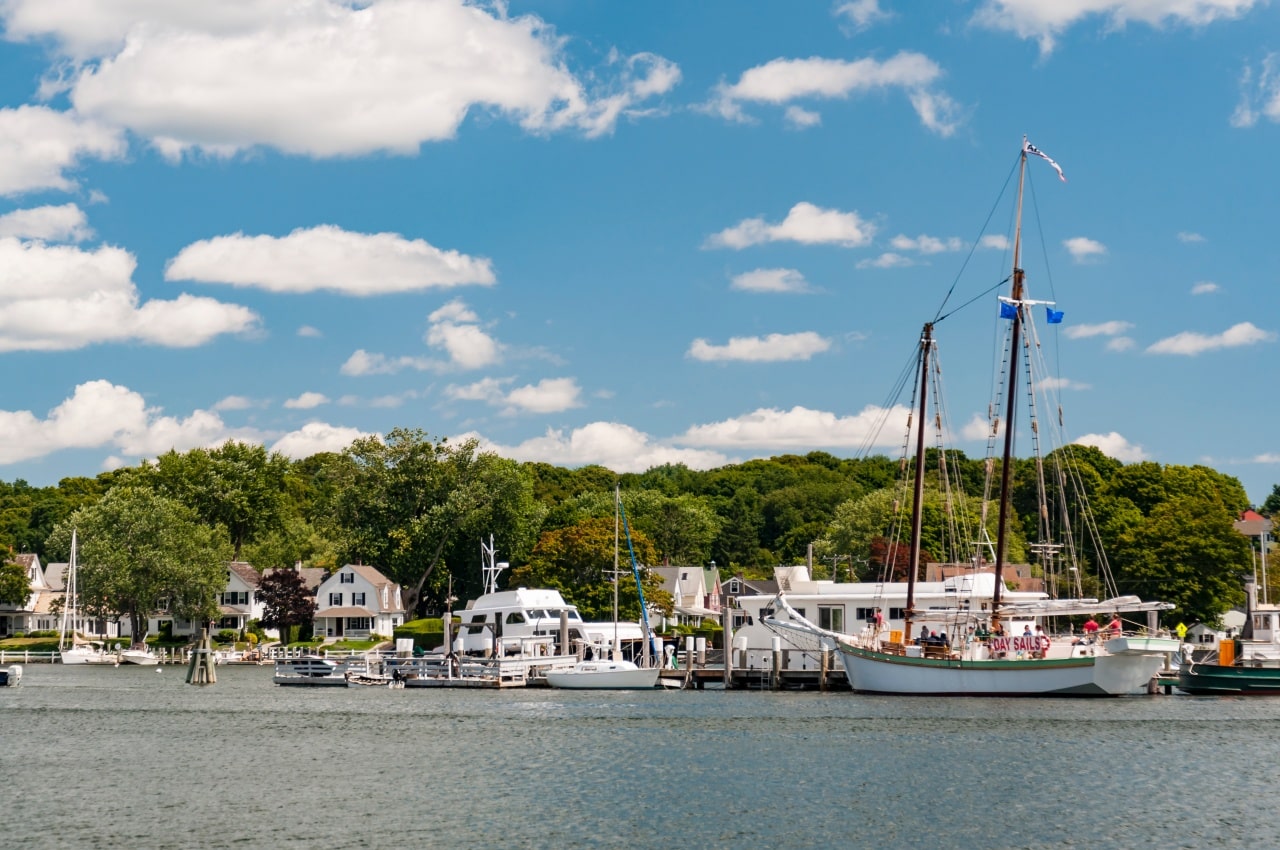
1008,311
1032,149
1052,316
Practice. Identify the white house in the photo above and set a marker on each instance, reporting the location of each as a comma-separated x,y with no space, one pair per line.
358,601
34,614
237,604
694,591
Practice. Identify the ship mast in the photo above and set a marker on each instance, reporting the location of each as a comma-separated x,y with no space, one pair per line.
1006,462
917,506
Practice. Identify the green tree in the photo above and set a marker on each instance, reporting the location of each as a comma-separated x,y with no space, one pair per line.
407,505
140,553
285,601
239,486
15,587
1271,507
681,527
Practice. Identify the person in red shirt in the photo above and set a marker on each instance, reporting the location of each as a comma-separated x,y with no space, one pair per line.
1090,627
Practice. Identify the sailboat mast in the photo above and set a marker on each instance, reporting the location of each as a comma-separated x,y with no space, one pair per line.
617,500
1006,463
917,509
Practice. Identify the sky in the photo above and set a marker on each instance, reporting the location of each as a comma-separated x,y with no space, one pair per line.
629,233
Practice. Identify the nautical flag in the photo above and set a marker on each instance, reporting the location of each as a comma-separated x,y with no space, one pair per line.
1030,148
1008,311
1052,316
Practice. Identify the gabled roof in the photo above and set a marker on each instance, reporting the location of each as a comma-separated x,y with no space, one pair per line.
245,572
312,577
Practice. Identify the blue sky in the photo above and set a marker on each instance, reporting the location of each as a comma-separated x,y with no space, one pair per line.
626,233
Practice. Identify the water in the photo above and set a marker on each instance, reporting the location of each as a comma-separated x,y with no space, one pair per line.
128,757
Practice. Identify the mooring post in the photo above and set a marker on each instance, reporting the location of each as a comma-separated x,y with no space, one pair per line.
726,629
200,668
777,663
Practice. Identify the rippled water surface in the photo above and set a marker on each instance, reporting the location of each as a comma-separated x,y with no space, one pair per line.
131,757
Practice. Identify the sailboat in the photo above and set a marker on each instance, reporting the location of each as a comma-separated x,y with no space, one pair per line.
614,672
73,649
1025,664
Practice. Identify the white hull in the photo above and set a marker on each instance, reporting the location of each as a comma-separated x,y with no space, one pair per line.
604,675
142,657
310,671
1092,676
86,655
11,675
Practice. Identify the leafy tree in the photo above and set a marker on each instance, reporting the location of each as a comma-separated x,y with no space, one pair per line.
239,486
286,602
15,587
1271,507
141,552
408,505
681,527
738,543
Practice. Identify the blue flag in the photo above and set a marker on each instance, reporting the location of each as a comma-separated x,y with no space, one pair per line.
1008,311
1052,316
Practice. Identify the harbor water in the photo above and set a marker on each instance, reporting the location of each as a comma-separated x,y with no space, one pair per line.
99,757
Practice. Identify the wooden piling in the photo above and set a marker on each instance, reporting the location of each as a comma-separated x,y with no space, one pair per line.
200,668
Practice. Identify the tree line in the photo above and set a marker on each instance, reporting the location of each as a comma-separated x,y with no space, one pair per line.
416,507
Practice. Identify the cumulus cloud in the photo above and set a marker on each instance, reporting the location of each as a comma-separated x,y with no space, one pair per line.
66,223
316,437
309,332
1191,343
453,329
282,75
771,280
328,258
234,402
619,447
550,395
861,14
1046,20
363,362
1205,287
772,348
60,297
801,119
1114,328
805,223
771,428
101,414
306,401
1052,383
783,80
887,260
38,146
1084,250
1114,445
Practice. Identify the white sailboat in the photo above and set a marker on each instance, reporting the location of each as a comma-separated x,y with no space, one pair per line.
615,672
1030,664
72,648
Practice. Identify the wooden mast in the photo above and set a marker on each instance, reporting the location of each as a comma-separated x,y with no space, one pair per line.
917,508
1006,462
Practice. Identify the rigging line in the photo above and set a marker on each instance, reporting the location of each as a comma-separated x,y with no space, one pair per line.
973,246
983,294
1048,275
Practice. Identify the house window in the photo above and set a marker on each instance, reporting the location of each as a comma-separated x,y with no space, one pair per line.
335,598
831,617
233,597
866,615
359,624
357,599
346,578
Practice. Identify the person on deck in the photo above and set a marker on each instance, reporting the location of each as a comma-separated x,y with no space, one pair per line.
1115,626
1090,630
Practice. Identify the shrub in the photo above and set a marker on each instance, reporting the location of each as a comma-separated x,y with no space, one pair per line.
427,633
225,636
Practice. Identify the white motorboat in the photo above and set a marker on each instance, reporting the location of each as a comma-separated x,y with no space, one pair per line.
10,676
310,671
140,654
604,675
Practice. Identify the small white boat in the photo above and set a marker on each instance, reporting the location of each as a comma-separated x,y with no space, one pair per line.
10,676
140,654
90,652
604,675
310,671
73,649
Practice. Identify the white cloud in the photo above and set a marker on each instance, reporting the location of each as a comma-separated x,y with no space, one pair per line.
39,145
1205,287
861,13
1259,98
1045,20
306,401
611,444
1062,384
66,223
926,244
977,428
1120,343
1192,343
454,329
1114,445
234,402
1267,457
327,258
308,331
998,242
363,362
799,427
283,75
550,395
60,298
887,260
1083,249
783,80
316,437
805,223
772,348
1189,237
802,119
100,414
1113,328
771,280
